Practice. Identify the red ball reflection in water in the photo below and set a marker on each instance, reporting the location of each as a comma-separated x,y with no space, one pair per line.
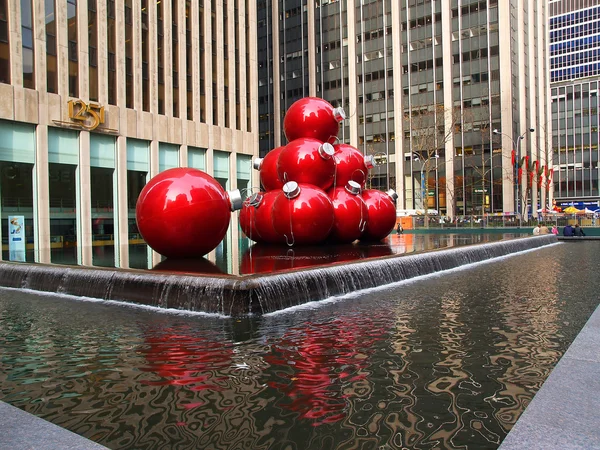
382,215
187,265
303,214
183,213
313,117
307,160
264,258
325,365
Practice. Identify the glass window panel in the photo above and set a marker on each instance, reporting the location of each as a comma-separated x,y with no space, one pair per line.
63,213
17,142
221,168
16,191
103,224
137,155
197,158
102,151
168,156
63,146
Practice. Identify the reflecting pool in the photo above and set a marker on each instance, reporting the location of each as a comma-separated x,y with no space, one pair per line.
447,361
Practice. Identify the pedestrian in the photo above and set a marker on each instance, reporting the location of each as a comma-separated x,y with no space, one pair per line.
568,231
536,230
544,229
578,231
399,229
555,230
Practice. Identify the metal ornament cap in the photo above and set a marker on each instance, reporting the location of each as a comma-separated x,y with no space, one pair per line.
370,161
392,193
235,199
291,189
339,114
353,187
257,163
255,199
326,150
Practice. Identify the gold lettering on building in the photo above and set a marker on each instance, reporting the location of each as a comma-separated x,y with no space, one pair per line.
88,115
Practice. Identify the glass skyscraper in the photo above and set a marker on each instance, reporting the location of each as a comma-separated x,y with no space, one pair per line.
425,84
575,74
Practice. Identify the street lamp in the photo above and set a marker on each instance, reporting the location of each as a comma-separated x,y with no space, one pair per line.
517,147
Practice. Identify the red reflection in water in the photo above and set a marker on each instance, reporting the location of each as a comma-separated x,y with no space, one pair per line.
325,364
183,359
187,265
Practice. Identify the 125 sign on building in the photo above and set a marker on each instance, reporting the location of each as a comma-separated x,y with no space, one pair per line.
88,115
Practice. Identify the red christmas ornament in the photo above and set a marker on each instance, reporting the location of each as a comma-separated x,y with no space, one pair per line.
268,170
382,214
313,117
263,219
183,212
248,216
303,214
351,164
350,211
307,161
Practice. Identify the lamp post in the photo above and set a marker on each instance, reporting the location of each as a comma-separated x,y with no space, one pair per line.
517,147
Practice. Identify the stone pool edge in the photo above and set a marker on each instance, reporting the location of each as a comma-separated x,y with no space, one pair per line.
563,414
252,294
20,430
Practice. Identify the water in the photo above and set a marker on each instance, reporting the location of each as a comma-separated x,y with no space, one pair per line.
448,361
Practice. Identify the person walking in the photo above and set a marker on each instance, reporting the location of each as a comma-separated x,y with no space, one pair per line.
555,230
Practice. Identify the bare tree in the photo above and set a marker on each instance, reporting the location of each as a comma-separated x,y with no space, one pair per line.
429,129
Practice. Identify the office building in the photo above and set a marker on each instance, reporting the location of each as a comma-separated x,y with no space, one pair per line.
575,78
425,84
99,96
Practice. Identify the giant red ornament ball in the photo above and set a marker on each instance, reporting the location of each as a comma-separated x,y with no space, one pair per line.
313,117
303,214
263,220
248,215
184,212
350,212
351,164
267,167
308,161
382,214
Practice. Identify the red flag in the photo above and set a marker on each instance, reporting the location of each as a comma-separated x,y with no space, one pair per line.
520,174
513,156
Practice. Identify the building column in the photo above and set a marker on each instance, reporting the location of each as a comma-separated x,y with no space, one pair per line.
84,208
41,206
122,219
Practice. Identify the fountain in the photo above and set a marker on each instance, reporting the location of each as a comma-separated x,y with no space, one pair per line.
255,293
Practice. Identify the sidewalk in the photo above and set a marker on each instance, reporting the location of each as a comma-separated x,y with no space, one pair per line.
565,413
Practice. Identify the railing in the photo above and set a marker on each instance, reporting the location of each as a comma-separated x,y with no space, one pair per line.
499,221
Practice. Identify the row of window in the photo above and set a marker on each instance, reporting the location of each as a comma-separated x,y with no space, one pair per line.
575,32
575,59
571,73
575,18
574,46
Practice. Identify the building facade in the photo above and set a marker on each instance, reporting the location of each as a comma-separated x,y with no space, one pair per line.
425,84
97,97
575,78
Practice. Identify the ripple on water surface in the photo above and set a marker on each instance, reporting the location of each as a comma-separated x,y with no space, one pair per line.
448,361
